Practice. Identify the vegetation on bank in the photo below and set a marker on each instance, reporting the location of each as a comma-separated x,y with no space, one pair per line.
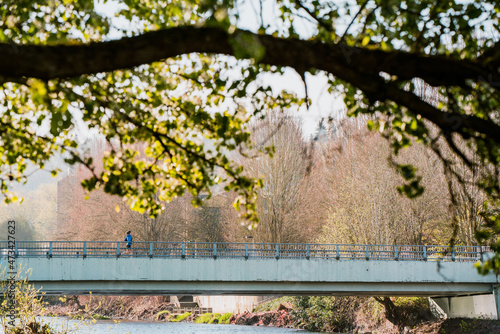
162,314
213,318
23,313
319,313
273,304
326,314
344,314
179,317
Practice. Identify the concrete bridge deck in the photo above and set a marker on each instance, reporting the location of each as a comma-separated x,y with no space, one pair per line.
157,268
157,276
76,267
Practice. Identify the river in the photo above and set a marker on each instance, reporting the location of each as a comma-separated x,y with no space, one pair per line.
146,327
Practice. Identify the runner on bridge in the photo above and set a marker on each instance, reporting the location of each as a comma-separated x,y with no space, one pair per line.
128,239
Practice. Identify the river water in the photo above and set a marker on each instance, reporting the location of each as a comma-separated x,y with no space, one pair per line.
145,327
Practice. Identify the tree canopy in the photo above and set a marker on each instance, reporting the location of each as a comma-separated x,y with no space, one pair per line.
185,78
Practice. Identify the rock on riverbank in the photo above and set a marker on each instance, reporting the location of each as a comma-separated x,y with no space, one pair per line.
279,318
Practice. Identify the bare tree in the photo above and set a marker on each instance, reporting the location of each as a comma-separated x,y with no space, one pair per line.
283,216
362,197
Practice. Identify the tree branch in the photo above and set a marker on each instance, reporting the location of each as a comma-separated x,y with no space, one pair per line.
59,61
325,25
357,66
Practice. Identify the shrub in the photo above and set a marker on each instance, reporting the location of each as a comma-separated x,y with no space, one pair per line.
413,310
100,317
215,318
224,319
180,317
28,306
163,313
326,314
204,318
273,304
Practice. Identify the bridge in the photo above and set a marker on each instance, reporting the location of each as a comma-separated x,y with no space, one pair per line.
176,268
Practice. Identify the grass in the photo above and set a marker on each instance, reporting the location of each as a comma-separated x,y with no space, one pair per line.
213,318
167,313
100,317
224,319
76,316
419,302
180,317
273,304
204,318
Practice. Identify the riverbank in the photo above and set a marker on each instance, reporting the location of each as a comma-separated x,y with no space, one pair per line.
149,308
281,318
284,319
346,314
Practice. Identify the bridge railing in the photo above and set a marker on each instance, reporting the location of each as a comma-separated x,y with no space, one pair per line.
187,250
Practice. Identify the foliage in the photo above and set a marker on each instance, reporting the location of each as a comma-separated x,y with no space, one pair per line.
342,314
28,306
406,311
273,304
215,318
224,318
179,317
326,314
180,221
204,318
100,317
468,325
185,80
164,313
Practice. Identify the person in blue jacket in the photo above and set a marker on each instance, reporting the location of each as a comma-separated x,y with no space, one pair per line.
128,239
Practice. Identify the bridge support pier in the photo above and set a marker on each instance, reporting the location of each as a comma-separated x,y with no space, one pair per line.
487,306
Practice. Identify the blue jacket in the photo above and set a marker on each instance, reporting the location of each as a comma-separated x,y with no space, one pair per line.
128,238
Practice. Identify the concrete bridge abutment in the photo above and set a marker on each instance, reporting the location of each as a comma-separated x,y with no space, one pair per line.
478,306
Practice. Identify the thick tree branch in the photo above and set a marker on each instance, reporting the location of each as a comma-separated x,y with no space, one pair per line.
59,61
357,66
491,57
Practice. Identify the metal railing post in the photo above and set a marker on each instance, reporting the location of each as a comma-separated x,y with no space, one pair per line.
49,254
455,253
